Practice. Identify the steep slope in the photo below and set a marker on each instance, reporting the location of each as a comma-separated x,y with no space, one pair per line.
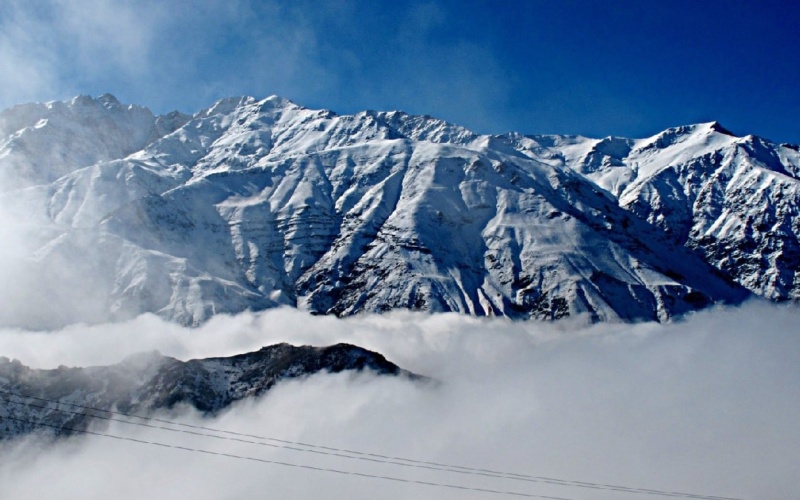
255,203
66,400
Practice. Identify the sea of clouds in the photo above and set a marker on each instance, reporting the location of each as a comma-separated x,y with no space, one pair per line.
707,405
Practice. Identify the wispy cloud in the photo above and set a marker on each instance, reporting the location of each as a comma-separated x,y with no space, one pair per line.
346,56
110,35
53,48
26,57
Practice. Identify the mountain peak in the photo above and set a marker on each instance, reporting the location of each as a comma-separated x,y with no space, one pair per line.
717,127
226,105
229,105
106,100
81,99
685,134
277,101
109,101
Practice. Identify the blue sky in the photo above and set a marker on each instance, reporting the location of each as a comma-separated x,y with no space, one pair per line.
629,68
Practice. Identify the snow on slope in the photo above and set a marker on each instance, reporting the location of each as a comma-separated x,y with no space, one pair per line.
256,203
41,142
734,200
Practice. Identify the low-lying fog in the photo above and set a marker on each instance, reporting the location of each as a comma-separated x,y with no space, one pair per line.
708,406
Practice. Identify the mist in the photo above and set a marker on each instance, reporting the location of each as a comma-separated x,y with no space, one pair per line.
706,405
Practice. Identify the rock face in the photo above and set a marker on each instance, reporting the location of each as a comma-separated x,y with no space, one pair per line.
65,400
251,204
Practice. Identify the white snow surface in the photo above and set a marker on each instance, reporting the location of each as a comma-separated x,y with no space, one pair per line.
251,204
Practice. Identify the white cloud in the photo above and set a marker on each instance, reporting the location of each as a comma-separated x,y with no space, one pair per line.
707,405
346,56
111,34
53,48
25,57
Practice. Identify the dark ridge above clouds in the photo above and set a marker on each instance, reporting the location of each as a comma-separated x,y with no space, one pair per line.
64,401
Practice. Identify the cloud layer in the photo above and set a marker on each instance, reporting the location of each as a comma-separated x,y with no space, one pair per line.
707,406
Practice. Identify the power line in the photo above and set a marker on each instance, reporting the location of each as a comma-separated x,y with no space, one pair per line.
359,455
352,457
290,464
368,459
261,443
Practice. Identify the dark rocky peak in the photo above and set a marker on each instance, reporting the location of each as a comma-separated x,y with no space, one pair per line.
717,127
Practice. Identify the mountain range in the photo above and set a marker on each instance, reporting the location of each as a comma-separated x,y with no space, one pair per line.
257,203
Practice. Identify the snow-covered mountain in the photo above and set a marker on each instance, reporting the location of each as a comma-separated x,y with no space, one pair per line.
42,142
251,204
734,200
66,400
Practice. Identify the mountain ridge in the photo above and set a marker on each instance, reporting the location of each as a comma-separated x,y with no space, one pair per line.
249,204
66,400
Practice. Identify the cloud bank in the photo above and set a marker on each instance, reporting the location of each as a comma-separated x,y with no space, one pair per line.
706,406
